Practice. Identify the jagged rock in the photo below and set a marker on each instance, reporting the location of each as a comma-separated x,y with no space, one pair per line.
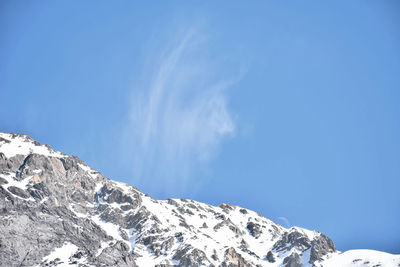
293,239
321,246
255,229
270,257
226,207
230,225
234,259
194,257
18,192
293,260
116,255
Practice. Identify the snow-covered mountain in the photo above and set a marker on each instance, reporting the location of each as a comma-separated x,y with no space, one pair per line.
57,211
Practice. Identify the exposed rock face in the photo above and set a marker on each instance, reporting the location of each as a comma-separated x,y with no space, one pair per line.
234,259
55,210
321,247
293,260
254,228
270,257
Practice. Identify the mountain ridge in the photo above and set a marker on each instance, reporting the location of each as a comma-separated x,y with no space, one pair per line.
57,211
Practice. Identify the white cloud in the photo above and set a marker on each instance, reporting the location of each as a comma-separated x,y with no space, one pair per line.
180,119
285,221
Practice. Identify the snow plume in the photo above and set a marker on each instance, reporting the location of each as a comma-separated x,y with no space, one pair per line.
180,118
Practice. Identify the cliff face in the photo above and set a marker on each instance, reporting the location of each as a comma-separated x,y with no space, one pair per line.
56,210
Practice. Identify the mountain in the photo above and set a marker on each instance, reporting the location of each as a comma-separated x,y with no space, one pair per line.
57,211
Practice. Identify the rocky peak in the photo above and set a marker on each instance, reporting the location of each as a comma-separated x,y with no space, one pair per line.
56,210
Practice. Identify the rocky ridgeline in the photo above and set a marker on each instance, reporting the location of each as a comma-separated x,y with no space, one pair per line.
55,210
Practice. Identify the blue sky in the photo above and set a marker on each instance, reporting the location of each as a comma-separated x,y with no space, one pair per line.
289,109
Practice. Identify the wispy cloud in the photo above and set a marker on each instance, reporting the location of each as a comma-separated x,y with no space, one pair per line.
285,221
180,119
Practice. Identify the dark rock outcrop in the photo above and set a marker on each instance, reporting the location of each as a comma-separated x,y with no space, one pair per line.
293,260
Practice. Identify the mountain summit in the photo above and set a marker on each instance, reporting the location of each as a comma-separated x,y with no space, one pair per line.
57,211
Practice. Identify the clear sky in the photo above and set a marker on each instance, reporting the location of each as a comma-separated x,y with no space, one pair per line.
288,108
